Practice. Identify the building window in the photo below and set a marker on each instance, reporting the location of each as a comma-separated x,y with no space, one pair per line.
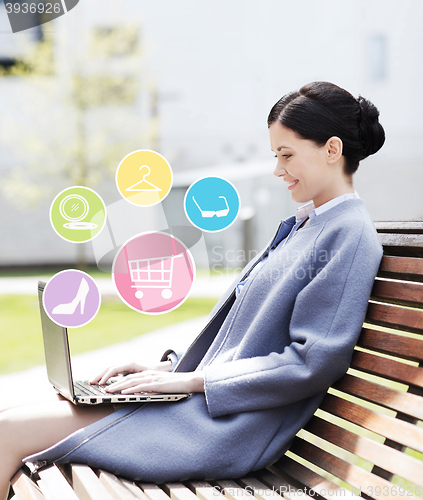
377,57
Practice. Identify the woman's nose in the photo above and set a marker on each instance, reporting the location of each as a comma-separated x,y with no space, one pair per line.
279,171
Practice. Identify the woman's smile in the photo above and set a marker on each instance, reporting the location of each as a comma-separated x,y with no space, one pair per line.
292,184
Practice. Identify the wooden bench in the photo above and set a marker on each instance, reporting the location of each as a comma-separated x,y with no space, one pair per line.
367,436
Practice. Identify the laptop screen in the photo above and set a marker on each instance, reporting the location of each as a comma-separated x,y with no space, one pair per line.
56,349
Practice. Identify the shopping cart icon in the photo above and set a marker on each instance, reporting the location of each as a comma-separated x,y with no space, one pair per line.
153,272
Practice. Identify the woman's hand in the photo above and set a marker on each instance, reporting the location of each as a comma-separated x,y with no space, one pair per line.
159,381
112,371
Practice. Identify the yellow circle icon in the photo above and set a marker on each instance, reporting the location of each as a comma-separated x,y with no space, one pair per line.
144,178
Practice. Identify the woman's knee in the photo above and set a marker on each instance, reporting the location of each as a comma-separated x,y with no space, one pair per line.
10,441
32,428
7,427
5,405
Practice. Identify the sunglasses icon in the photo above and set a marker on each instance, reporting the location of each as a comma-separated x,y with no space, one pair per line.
211,213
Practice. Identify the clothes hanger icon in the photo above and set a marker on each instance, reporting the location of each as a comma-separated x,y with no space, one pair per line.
143,181
211,213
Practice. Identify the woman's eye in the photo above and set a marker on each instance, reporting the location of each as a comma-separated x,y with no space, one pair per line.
284,156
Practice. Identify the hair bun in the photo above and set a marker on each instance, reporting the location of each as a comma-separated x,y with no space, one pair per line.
321,110
371,131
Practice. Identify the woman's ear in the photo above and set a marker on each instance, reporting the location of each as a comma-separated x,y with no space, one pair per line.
334,149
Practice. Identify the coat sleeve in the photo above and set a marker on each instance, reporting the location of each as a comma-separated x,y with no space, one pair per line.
172,356
325,324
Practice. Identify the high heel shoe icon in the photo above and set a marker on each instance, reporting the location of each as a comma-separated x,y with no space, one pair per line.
80,298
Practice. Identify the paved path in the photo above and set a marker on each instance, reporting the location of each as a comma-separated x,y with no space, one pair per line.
203,286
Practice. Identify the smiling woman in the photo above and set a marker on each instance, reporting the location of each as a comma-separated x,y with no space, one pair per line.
277,339
320,134
311,172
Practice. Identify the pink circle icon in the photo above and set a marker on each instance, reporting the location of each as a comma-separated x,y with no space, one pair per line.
153,272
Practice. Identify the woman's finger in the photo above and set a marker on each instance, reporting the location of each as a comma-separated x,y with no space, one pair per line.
149,381
112,371
98,377
138,389
160,382
130,381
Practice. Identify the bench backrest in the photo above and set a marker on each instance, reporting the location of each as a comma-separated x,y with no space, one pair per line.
368,431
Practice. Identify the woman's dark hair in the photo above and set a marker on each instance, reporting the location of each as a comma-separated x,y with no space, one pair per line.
320,110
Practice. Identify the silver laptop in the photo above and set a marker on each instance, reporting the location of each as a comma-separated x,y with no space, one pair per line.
59,370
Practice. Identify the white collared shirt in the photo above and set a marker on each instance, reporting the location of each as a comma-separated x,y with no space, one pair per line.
307,211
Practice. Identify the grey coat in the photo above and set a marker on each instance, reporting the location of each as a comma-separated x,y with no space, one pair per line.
268,358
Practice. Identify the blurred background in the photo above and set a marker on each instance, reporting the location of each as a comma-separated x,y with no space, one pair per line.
195,82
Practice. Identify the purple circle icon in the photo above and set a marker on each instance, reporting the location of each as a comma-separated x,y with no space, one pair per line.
153,273
71,298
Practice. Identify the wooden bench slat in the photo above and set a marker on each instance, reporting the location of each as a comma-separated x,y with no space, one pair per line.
258,489
153,492
399,226
57,484
399,431
177,491
204,490
137,492
401,266
115,487
303,476
87,485
391,343
389,368
403,402
232,490
383,456
398,292
47,495
24,488
401,240
410,320
357,477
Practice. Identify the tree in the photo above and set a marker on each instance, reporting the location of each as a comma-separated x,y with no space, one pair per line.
73,116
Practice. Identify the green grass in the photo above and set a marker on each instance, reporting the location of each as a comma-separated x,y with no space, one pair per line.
96,273
48,273
20,329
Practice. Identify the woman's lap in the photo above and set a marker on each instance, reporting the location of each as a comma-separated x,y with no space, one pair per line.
28,429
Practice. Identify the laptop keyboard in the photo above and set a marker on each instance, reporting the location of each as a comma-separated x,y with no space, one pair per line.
84,388
92,389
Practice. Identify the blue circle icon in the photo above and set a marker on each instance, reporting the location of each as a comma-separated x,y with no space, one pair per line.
212,204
